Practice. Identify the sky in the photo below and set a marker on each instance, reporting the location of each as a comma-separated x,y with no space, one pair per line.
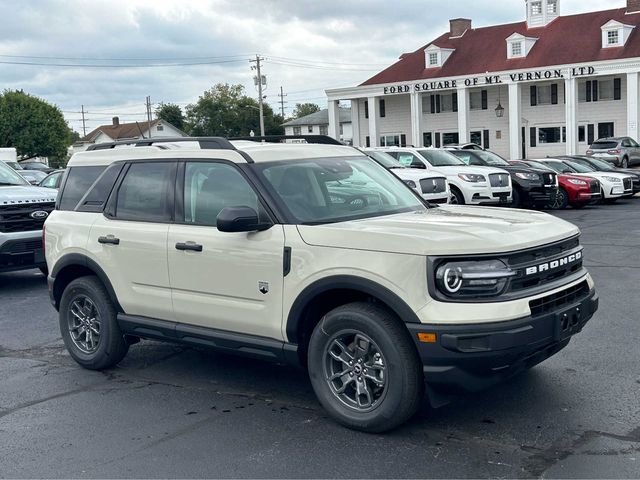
108,56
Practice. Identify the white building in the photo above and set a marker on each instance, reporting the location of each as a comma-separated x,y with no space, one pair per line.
318,124
548,85
117,131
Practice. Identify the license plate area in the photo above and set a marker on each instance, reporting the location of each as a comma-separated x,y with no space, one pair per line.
569,322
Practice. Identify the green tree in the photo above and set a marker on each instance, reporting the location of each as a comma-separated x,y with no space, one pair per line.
172,113
34,127
304,109
225,110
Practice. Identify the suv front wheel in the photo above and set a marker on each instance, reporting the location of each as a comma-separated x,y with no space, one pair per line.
364,368
88,325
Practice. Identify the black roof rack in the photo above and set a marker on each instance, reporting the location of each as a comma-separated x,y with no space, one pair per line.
206,143
317,139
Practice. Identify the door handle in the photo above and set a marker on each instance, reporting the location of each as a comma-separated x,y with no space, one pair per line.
110,239
191,246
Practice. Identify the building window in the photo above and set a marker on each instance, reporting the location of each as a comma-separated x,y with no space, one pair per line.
605,89
551,135
536,8
544,95
341,129
310,129
390,140
516,49
552,7
613,37
581,134
427,139
476,137
433,59
324,130
160,128
297,130
446,103
475,100
451,138
383,108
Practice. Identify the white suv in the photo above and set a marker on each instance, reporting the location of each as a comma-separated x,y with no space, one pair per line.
471,185
276,251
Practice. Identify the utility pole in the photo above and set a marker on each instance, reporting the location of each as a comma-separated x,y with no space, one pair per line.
84,127
259,80
149,114
282,101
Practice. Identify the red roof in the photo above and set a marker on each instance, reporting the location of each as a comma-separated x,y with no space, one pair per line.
571,39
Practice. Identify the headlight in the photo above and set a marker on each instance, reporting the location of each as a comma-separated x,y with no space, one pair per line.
410,183
575,181
528,176
484,278
612,179
470,177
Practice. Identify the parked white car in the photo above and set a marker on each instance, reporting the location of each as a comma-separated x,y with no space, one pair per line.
614,185
432,186
471,185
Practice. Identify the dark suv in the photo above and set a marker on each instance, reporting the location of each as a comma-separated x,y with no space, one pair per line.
532,187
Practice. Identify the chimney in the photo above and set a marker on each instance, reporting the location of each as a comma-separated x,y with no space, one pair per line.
460,25
116,121
633,6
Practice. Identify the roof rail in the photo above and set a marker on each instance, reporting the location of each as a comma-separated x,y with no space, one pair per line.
206,143
318,139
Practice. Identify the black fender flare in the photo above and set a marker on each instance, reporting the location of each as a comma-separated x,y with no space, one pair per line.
348,282
78,259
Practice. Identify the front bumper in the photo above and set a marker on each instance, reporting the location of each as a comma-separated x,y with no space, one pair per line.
483,194
538,194
21,251
467,358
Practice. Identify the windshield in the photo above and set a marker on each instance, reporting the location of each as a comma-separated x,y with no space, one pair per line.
328,190
481,157
441,158
559,167
15,165
8,176
578,167
544,166
602,165
384,159
491,158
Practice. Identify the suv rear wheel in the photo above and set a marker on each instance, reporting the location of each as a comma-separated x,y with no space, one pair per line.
88,325
625,162
364,368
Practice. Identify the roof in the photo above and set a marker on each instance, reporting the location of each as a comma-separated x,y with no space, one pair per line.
570,39
321,117
122,130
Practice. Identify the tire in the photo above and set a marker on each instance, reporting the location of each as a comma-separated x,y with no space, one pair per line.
562,200
456,196
392,390
87,297
516,201
625,162
44,271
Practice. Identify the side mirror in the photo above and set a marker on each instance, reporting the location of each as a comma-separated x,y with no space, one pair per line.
240,219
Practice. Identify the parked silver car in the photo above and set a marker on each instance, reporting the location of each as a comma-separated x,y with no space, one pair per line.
620,151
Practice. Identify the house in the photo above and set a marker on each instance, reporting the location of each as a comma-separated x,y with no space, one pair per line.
117,131
318,124
547,85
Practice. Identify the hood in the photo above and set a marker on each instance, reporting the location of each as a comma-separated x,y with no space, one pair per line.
10,194
600,175
453,171
416,174
627,171
446,230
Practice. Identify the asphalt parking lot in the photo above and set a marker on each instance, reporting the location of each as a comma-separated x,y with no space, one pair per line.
170,411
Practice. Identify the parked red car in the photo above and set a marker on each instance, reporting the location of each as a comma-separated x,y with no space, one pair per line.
572,190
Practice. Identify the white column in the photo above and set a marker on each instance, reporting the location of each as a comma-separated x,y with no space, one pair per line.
416,119
571,115
633,130
515,114
463,115
334,119
355,122
374,134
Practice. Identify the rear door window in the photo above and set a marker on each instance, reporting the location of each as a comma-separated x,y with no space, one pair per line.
146,192
78,181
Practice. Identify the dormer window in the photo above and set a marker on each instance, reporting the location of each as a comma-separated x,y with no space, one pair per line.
615,34
519,46
536,8
541,12
435,56
552,7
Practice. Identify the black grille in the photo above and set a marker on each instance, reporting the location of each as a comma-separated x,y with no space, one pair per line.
433,185
594,186
17,218
555,301
628,183
499,179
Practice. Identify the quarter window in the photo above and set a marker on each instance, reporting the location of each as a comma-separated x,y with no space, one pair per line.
79,179
144,194
209,187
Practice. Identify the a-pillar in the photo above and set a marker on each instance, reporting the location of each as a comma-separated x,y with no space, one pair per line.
571,115
515,114
374,134
463,115
632,105
334,119
416,119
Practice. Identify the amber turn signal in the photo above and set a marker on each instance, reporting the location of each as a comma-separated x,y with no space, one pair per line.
427,337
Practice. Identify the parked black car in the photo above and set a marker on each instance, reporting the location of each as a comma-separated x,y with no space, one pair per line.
603,166
532,187
36,166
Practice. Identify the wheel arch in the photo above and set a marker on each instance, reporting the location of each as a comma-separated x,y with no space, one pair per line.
75,265
328,293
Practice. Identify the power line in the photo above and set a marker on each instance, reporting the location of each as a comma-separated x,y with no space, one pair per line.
89,65
104,59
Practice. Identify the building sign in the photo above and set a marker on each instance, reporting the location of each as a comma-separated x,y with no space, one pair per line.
435,85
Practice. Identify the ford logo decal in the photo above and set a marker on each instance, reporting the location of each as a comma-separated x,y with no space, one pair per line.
39,214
